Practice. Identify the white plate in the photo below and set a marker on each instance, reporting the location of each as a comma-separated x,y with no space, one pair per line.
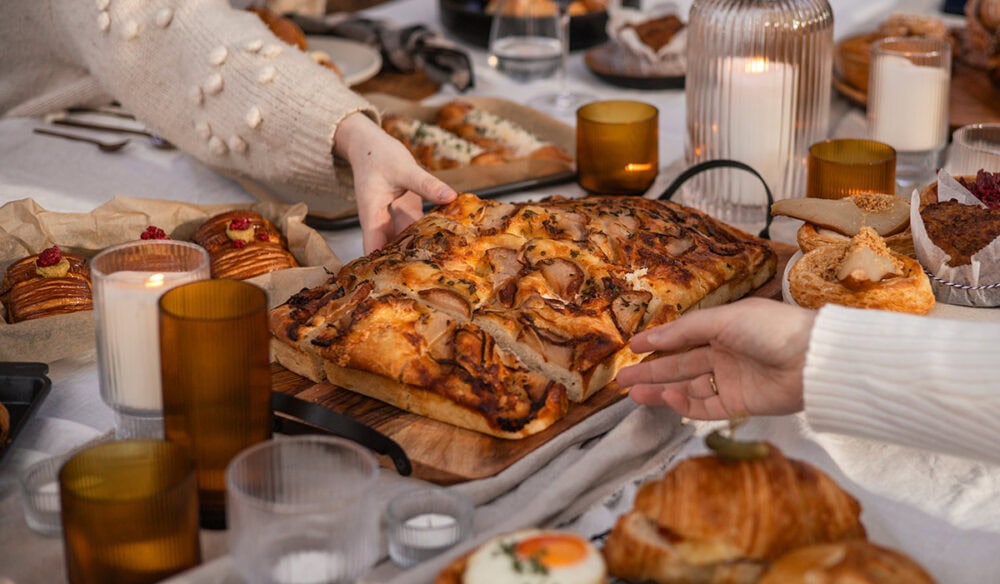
357,61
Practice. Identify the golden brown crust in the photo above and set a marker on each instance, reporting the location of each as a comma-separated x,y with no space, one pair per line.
809,237
4,424
27,295
857,562
257,257
281,27
813,282
555,289
714,520
462,119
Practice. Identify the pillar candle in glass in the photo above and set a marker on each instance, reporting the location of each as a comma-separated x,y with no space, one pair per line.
214,347
617,147
757,90
973,148
129,513
908,89
128,281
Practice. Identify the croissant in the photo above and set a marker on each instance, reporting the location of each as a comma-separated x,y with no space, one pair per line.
715,520
857,562
45,284
243,244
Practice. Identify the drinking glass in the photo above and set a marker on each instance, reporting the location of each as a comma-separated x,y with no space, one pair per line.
563,101
908,89
617,147
129,512
842,167
301,510
216,379
128,279
526,45
973,148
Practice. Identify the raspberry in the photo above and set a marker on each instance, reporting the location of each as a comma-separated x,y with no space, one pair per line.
153,232
239,224
262,235
49,257
239,243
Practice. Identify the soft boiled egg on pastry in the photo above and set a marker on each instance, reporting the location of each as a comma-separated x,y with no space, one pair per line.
534,556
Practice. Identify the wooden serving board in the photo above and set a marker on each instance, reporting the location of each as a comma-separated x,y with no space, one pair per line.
445,454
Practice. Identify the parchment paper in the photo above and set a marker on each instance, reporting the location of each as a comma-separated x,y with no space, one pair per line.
26,229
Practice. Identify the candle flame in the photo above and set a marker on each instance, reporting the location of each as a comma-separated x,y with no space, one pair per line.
756,65
155,281
634,167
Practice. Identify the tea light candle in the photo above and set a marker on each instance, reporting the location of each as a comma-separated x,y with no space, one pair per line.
761,103
430,531
912,109
426,522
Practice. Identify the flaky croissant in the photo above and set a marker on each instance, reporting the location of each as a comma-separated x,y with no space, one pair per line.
243,244
715,520
27,293
857,562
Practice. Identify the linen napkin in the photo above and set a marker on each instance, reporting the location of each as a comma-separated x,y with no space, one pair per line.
405,49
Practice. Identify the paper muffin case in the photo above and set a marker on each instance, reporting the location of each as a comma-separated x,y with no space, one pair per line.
975,284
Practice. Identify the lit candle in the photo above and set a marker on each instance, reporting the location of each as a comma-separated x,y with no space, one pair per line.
759,100
128,335
430,531
911,110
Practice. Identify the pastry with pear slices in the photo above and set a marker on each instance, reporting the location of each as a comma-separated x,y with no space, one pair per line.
863,273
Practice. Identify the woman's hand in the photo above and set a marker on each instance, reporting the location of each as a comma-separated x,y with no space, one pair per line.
740,359
388,183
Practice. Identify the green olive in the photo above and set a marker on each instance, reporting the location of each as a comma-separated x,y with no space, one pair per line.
728,448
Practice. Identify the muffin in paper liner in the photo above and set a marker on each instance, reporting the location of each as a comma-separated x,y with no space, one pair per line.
975,284
668,60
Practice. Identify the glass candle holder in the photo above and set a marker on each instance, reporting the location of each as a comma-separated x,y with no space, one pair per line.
216,377
129,513
40,493
758,91
128,279
425,523
908,89
617,147
844,167
301,510
973,148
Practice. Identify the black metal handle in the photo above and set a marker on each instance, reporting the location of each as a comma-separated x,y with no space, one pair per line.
321,418
722,163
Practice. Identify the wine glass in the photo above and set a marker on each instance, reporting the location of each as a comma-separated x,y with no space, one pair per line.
525,40
563,101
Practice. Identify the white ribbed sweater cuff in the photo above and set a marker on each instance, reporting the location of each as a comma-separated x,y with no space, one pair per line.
917,381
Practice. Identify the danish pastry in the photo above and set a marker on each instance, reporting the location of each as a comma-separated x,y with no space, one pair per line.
857,562
243,244
48,283
863,273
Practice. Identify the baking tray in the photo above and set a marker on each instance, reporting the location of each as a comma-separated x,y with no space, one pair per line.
23,386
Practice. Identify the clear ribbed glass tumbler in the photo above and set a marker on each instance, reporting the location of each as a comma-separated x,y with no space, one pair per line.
758,91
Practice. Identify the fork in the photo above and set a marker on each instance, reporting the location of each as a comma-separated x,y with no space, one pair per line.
156,140
104,146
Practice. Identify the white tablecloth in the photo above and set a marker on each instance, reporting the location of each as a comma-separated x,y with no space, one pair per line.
941,510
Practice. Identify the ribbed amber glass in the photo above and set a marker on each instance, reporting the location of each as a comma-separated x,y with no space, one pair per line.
216,379
129,513
617,147
757,91
843,167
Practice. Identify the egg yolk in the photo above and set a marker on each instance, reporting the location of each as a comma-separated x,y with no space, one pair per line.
553,550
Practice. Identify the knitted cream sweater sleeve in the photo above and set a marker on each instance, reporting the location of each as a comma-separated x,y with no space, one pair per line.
917,381
216,82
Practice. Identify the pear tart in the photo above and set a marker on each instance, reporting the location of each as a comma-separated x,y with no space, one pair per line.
242,244
827,221
48,283
864,273
501,311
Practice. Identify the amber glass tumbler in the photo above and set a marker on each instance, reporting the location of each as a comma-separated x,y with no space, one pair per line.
848,166
617,147
216,379
129,512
